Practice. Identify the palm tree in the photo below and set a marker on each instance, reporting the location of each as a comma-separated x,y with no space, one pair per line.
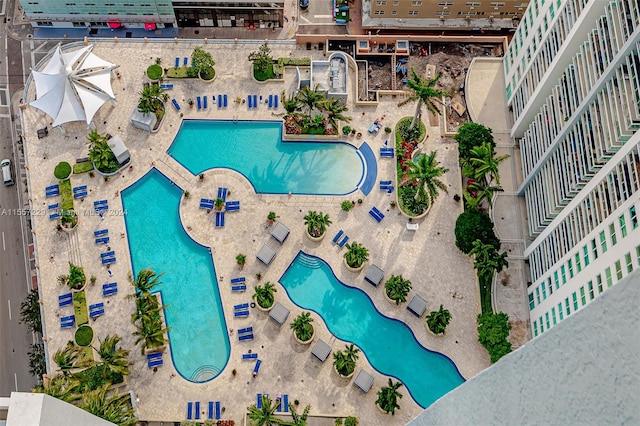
61,387
299,419
345,361
264,295
289,103
265,416
356,255
146,280
30,312
388,397
114,408
316,223
437,321
351,352
115,360
310,98
302,327
484,191
67,358
151,334
397,288
426,173
484,162
425,93
487,259
334,108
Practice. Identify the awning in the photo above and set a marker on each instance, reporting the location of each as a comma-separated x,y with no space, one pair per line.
279,313
150,26
114,25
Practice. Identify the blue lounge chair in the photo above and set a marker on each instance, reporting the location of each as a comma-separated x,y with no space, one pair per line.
100,206
255,101
385,182
241,314
65,300
241,306
53,206
67,322
275,101
225,101
177,64
239,287
199,102
154,355
155,363
222,193
256,369
245,330
279,406
210,411
259,400
219,101
175,105
185,62
387,152
218,414
245,337
196,410
344,241
337,237
100,233
206,203
109,289
189,404
285,402
54,215
204,102
166,86
52,188
232,206
82,188
108,254
270,102
250,356
249,101
238,280
219,219
103,240
96,311
52,191
108,260
79,195
376,214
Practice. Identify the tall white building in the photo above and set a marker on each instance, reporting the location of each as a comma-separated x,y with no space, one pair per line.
573,89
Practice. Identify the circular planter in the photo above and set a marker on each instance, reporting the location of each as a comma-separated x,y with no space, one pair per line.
62,171
420,216
381,410
390,300
84,336
260,308
431,332
344,377
305,342
70,229
215,74
352,269
314,239
155,66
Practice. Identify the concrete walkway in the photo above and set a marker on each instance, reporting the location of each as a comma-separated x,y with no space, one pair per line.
487,105
428,257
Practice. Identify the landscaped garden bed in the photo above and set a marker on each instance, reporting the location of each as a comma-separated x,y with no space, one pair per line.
84,336
80,308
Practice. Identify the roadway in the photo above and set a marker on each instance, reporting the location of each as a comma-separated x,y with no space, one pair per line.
15,339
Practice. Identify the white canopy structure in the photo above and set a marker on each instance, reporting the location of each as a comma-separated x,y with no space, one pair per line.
73,85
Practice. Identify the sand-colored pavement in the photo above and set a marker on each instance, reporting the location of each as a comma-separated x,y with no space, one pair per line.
428,257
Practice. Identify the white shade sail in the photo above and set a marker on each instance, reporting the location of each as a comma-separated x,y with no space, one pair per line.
73,85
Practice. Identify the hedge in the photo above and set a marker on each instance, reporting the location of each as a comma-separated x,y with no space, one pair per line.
84,167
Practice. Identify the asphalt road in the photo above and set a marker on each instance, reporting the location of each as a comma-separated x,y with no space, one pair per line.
15,339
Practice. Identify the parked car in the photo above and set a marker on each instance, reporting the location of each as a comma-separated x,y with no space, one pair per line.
7,176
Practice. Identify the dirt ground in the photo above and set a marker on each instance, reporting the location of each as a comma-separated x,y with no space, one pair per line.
450,59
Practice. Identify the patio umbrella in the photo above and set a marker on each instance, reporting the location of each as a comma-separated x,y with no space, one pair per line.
73,85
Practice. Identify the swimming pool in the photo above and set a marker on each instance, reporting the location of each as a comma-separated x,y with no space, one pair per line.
389,344
256,150
198,338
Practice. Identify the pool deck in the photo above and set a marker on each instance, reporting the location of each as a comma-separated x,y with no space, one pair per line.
439,272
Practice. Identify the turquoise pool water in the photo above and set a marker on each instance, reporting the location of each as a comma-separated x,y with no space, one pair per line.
389,345
198,337
256,149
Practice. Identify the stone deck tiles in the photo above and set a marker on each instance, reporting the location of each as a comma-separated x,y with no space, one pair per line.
428,257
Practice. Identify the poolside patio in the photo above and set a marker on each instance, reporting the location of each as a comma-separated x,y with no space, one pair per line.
427,256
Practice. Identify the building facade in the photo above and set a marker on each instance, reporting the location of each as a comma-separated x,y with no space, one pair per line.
152,14
573,88
443,15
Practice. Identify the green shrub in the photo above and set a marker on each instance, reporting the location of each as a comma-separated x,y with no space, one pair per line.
208,74
346,130
264,75
346,205
154,72
181,72
470,135
472,225
408,202
351,421
403,133
66,195
84,167
84,335
493,331
80,307
62,170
